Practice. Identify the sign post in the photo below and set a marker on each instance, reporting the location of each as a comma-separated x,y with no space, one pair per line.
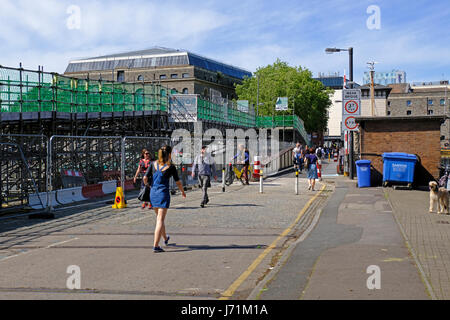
351,107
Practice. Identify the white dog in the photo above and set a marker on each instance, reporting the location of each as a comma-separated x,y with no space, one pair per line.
440,197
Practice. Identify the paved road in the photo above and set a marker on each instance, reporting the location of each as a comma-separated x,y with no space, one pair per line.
356,230
222,251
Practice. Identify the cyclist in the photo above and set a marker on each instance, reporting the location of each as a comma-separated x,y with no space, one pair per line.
245,156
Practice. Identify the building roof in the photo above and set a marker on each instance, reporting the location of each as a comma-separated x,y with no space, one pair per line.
397,118
376,87
332,82
154,57
400,87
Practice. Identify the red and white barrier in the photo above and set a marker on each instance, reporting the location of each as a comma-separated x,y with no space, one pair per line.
72,173
319,169
76,194
109,186
335,157
256,167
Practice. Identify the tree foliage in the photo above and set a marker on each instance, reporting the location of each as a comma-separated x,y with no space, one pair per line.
310,97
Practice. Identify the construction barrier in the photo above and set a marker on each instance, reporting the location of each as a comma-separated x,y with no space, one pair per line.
319,170
256,167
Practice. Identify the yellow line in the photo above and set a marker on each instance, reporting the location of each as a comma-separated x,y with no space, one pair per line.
236,284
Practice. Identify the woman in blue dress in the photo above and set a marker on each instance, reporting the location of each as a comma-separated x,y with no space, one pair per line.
162,170
311,159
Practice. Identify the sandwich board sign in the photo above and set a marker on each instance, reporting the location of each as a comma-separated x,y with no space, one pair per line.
351,107
281,104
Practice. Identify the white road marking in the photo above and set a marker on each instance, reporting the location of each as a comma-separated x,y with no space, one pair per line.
30,251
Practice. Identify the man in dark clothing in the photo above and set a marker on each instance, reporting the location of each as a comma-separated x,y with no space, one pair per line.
205,166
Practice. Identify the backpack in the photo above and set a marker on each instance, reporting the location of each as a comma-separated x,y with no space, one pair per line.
319,152
307,161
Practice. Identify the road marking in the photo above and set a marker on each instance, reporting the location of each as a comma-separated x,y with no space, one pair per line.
47,247
227,294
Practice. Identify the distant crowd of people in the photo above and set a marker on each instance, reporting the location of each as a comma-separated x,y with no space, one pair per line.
305,158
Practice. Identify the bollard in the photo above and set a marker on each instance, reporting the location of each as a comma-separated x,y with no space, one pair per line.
319,169
223,179
296,182
261,181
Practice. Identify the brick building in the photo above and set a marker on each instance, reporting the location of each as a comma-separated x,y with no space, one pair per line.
179,71
421,100
418,135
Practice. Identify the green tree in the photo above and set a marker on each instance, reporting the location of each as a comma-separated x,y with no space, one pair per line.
312,99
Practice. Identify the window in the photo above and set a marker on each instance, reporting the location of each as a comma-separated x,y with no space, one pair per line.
162,76
163,92
430,102
442,102
388,113
140,77
389,103
185,91
185,75
173,91
408,113
408,103
430,112
121,76
174,76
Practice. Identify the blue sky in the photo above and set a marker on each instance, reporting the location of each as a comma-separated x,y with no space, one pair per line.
413,36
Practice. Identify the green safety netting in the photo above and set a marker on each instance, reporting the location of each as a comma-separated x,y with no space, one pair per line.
31,91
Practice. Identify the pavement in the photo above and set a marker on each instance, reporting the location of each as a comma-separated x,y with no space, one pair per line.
219,252
338,242
427,235
356,232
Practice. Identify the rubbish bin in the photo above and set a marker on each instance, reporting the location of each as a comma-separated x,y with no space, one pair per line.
398,167
363,173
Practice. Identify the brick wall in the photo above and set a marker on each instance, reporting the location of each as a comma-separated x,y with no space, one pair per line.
414,136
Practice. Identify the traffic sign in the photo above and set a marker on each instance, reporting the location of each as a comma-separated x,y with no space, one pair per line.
350,123
281,104
351,107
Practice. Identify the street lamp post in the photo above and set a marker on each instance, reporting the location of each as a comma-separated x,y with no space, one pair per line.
350,62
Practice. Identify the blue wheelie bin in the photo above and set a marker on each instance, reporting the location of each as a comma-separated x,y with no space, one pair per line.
363,173
399,168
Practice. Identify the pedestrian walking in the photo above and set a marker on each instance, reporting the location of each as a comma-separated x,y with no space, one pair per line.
144,164
161,171
311,167
205,165
296,156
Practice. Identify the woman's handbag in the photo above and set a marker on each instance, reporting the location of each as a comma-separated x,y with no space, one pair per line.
144,194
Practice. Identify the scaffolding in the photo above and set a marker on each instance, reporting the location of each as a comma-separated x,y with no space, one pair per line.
37,91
